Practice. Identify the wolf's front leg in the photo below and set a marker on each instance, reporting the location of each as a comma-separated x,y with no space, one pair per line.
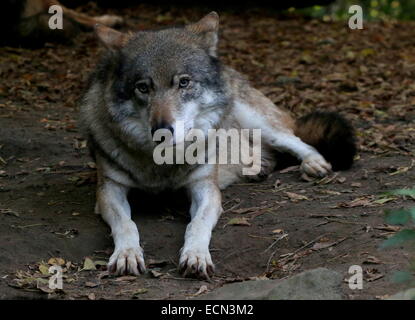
312,162
205,210
113,205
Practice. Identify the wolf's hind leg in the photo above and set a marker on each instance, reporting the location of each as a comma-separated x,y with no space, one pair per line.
205,210
113,205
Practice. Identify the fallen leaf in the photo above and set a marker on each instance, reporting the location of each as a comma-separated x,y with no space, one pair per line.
139,291
238,222
104,274
387,227
56,261
156,274
327,179
89,284
365,201
384,200
367,52
295,197
44,269
201,290
322,245
126,278
330,192
373,275
372,260
91,296
341,179
9,212
156,263
89,264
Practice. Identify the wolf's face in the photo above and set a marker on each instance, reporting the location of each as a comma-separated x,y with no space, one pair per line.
170,79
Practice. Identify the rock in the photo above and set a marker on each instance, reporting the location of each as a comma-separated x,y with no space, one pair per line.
247,290
316,284
404,295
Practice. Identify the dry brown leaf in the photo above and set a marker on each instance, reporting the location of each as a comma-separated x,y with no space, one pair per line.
201,290
295,197
56,261
90,284
91,296
238,222
126,278
372,260
89,264
365,201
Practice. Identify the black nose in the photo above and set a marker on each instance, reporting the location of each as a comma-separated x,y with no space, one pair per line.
162,125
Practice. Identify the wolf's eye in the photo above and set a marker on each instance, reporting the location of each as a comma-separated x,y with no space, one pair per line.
142,87
184,82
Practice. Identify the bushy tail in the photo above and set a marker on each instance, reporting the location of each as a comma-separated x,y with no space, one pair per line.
331,134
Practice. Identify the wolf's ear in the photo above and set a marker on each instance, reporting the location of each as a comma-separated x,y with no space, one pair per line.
112,39
207,28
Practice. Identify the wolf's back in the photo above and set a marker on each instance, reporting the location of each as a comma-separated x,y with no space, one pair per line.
331,134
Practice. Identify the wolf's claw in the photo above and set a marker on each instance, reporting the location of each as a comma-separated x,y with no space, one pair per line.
196,263
127,261
315,165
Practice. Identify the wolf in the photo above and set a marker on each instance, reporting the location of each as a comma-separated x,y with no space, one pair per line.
153,79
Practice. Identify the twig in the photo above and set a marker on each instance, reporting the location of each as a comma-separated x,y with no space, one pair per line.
303,247
276,241
344,222
232,208
325,215
275,251
30,225
68,171
259,237
261,212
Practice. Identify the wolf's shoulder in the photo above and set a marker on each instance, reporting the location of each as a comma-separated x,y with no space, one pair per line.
236,83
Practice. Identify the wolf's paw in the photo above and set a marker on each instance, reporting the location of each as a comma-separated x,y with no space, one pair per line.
196,262
127,261
315,165
109,20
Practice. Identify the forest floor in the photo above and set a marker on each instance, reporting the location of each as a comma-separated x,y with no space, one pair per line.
47,178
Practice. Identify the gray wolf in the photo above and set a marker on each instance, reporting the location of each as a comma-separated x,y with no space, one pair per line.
151,80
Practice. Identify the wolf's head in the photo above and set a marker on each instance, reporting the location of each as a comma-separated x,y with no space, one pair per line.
164,78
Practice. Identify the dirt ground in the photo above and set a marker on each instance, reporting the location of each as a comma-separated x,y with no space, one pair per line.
47,179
